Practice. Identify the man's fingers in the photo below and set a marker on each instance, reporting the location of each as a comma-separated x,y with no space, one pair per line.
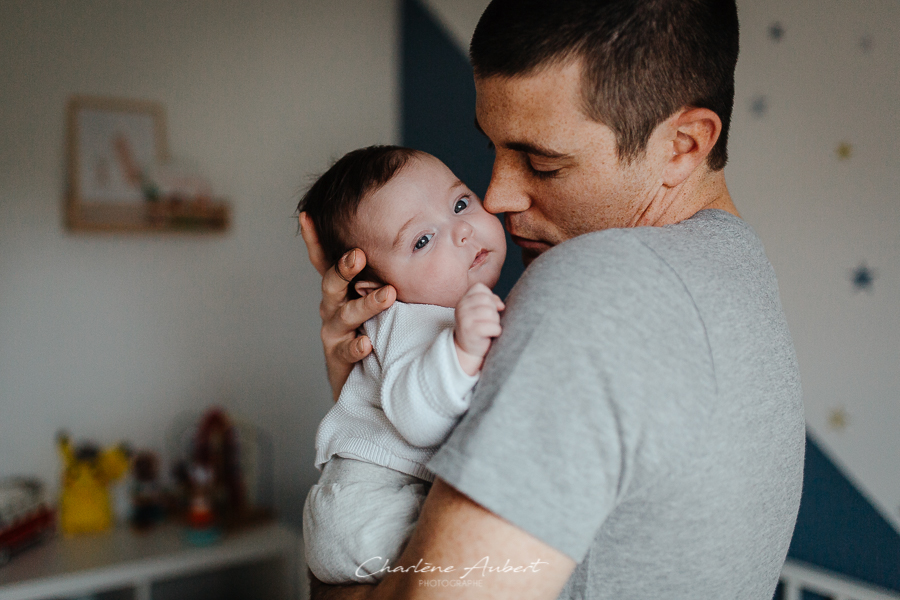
360,348
351,263
356,312
313,248
377,301
354,350
381,299
336,280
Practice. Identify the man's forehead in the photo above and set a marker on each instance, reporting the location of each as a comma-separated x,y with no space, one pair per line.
556,82
529,108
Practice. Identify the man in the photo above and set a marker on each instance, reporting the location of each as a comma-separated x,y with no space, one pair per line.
638,429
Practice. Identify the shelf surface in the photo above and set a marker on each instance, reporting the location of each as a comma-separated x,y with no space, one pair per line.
123,558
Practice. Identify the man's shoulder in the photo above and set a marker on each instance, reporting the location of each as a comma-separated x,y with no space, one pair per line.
591,268
615,260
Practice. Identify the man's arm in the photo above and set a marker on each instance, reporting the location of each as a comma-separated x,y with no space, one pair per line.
465,541
323,591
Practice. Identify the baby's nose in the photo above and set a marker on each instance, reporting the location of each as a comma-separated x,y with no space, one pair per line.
463,232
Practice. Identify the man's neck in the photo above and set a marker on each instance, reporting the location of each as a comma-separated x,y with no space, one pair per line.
703,190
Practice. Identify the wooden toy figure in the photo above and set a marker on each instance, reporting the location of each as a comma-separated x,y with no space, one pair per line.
84,505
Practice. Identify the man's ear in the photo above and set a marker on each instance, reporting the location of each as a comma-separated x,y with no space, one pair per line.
364,288
696,131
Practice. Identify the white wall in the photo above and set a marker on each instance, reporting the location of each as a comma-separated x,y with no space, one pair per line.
112,336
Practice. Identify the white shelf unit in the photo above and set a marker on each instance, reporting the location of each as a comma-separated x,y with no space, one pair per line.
263,562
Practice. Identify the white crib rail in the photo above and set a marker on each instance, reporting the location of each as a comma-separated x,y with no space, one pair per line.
797,577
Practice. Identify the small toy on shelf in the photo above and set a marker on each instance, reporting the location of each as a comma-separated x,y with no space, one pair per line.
25,518
84,505
223,465
203,526
212,479
147,496
216,449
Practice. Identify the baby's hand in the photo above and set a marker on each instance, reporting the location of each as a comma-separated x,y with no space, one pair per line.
477,321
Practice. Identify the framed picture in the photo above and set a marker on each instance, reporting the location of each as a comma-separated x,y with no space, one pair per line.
118,169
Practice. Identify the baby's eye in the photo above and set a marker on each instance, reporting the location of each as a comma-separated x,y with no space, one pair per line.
461,205
423,241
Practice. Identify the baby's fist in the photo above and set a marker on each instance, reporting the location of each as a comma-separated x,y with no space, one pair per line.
477,322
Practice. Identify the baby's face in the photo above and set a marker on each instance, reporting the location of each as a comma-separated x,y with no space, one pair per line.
427,234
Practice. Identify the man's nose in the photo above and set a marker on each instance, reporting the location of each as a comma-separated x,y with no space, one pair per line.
506,191
462,232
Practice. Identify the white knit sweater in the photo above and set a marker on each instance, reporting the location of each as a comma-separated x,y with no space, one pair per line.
402,401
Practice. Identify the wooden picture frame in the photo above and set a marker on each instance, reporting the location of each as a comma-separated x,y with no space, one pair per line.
115,150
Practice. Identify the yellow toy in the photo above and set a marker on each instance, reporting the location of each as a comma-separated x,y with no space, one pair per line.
84,505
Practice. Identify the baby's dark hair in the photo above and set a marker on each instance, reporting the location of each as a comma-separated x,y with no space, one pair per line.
333,199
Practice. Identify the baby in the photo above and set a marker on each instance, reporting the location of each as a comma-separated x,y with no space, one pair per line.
425,233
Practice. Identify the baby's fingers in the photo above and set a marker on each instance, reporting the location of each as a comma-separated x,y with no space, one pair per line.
486,329
498,302
481,312
481,298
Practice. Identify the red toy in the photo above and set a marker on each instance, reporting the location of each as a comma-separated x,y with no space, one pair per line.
25,518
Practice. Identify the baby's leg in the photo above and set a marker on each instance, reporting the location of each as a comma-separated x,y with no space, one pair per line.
358,518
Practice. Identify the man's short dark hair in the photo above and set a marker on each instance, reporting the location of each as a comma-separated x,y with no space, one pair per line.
333,199
643,59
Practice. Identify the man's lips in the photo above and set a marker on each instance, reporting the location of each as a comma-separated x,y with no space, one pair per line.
480,258
532,245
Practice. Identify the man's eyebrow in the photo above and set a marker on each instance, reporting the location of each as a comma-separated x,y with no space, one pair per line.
534,149
526,147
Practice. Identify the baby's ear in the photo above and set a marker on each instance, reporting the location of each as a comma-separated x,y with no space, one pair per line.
364,288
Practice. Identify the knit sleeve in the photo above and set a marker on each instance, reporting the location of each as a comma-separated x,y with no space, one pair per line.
423,389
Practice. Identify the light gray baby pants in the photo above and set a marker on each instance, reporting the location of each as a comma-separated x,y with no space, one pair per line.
357,518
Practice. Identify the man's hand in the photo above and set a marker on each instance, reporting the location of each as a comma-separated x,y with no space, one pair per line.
342,317
477,323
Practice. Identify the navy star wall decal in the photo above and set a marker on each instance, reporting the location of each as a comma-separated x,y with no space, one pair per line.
759,106
863,278
865,43
776,32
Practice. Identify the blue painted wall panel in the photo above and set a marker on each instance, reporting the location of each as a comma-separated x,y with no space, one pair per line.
838,529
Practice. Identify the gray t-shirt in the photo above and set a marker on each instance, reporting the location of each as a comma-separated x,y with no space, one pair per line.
642,413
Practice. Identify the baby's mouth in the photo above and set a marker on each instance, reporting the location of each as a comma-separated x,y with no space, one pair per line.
480,258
